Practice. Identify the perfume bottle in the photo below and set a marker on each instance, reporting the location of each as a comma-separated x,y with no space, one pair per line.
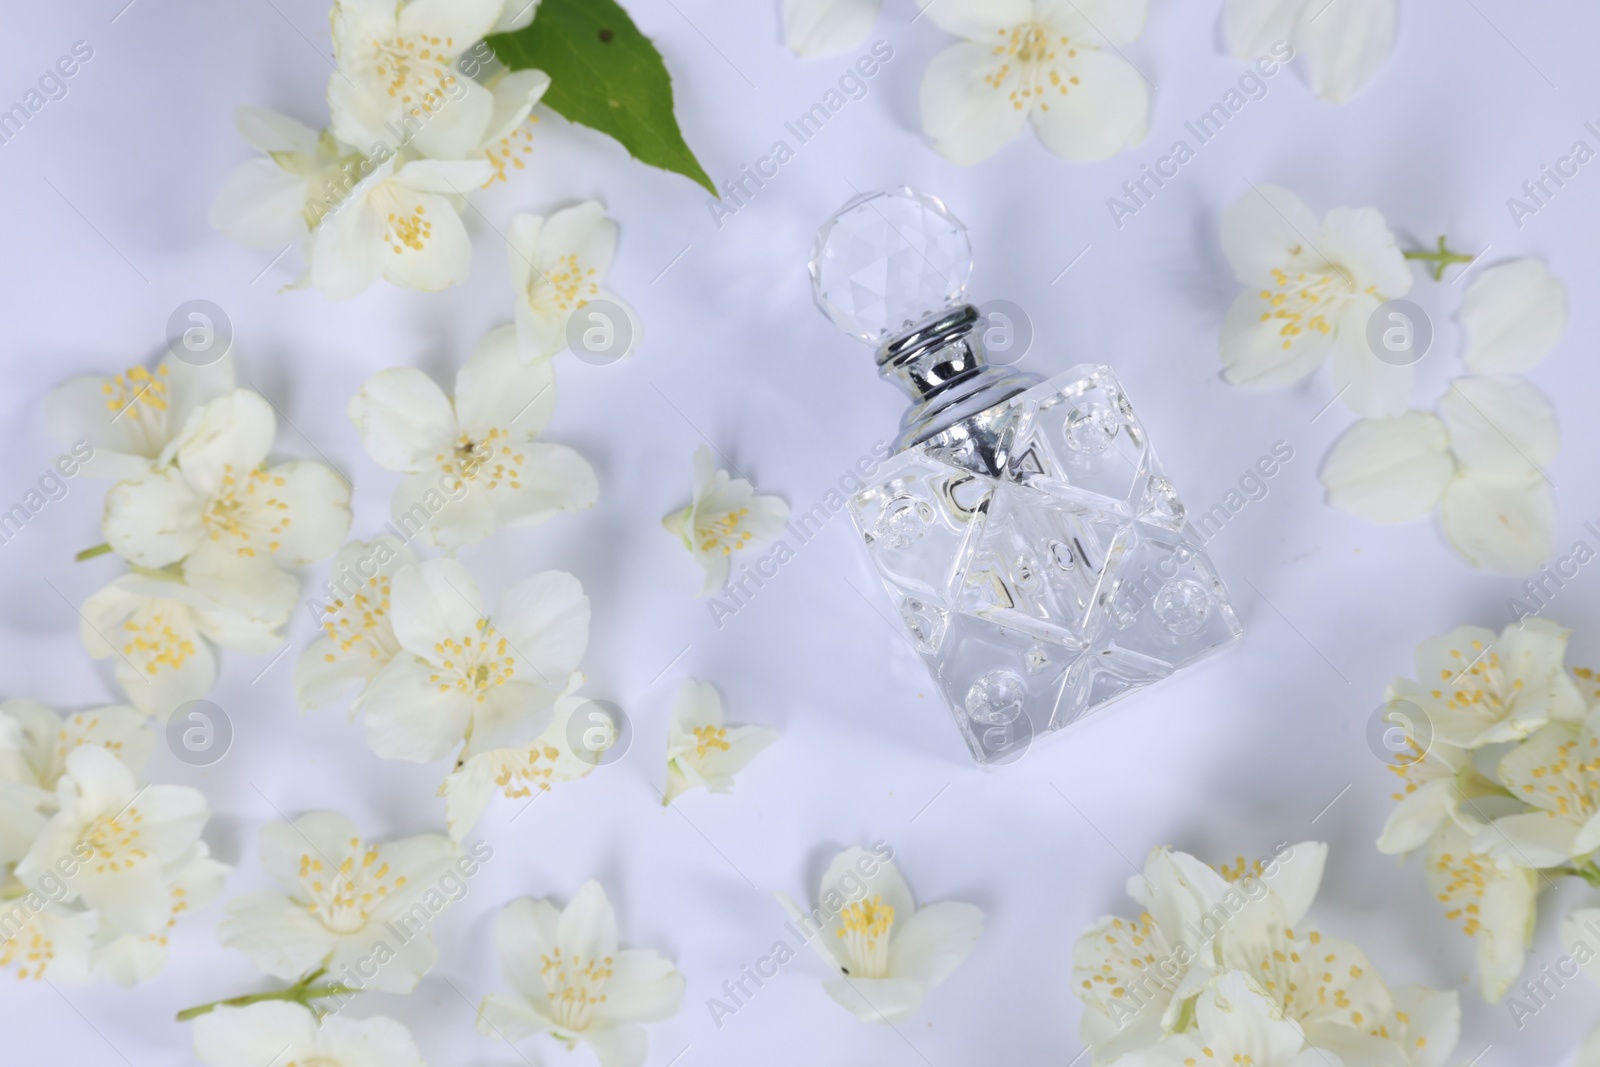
1040,561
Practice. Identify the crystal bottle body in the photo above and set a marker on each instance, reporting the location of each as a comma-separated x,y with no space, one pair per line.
1040,561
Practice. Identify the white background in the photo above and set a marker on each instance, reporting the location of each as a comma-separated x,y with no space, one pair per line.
104,231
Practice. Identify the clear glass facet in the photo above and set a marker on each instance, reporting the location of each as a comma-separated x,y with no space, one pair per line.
1064,581
887,261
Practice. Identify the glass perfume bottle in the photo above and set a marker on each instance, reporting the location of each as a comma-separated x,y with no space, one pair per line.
1040,561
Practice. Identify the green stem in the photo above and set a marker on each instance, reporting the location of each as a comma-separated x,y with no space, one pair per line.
1441,259
302,992
91,553
1588,871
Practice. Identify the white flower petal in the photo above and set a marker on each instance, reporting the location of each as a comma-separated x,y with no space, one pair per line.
1501,522
1513,313
409,717
513,1018
404,419
255,1034
1389,470
1533,839
282,938
376,1041
876,1000
462,21
434,601
498,389
261,205
1266,230
1297,878
644,987
154,520
1360,242
826,27
1259,350
524,932
928,945
344,253
977,20
271,132
545,620
1103,114
619,1046
1499,424
1345,43
1368,385
444,507
515,15
1252,27
228,436
588,926
1099,22
964,114
429,259
551,479
459,123
584,232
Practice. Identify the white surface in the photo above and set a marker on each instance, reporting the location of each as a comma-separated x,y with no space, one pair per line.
1244,752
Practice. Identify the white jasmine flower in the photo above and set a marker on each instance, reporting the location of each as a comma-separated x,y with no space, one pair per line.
1325,985
117,838
515,770
570,980
888,952
34,744
218,504
278,1032
1481,461
272,201
1055,62
1138,979
726,516
1135,976
815,28
400,222
473,462
130,421
1556,772
463,676
558,265
1311,288
348,903
156,627
1435,782
1478,689
1233,1024
701,750
1345,43
397,78
1493,899
40,939
192,881
1514,314
357,636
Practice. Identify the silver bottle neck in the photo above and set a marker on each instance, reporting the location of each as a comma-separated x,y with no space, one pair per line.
940,365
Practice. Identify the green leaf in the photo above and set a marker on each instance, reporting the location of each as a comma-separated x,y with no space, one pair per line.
606,75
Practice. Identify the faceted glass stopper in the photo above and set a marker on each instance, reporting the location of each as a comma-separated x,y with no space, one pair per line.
889,260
